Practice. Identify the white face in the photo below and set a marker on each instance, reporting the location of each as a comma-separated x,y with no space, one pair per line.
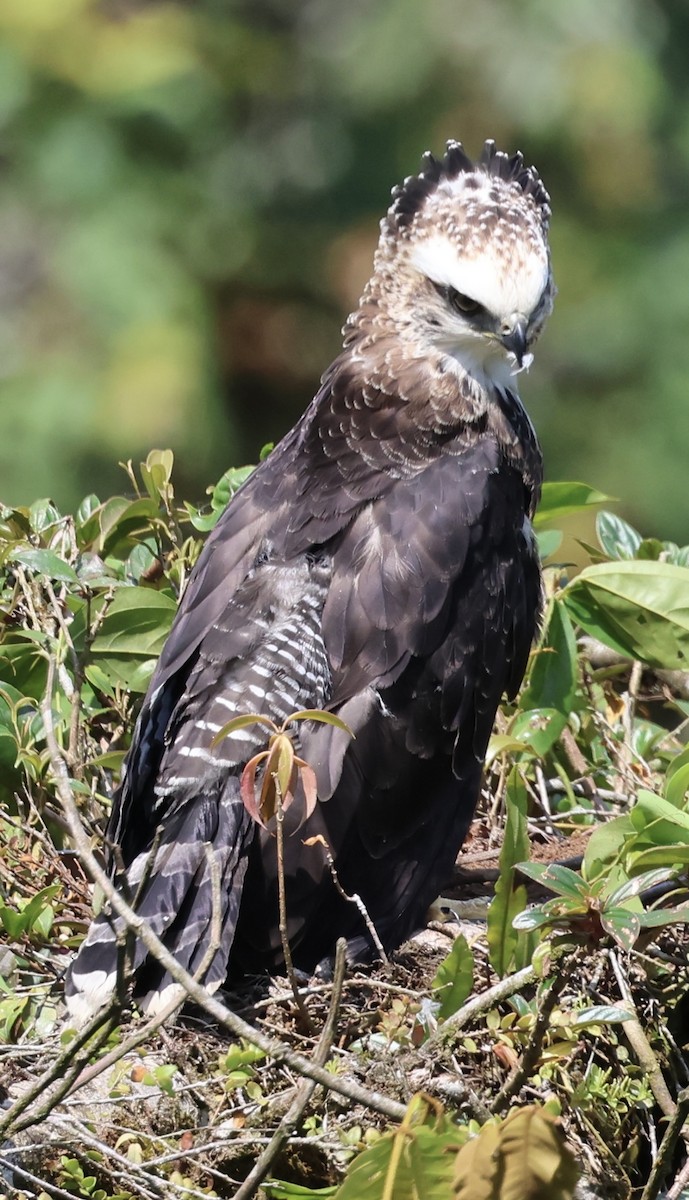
506,282
501,292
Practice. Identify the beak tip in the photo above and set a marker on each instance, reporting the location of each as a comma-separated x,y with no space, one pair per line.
515,341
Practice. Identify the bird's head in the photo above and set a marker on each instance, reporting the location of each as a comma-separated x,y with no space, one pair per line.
463,266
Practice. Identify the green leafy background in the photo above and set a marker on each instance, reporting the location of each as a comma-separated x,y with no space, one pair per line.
189,204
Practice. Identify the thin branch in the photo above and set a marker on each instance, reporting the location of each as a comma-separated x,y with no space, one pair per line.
500,991
534,1046
676,1128
355,898
280,1052
296,1110
150,1026
641,1046
282,907
59,1071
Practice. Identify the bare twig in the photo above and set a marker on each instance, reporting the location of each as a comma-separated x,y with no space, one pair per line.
534,1046
480,1004
295,1112
65,1069
280,1052
640,1044
144,1032
679,1184
676,1128
355,898
282,907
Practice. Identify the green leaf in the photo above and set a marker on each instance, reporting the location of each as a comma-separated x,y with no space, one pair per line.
665,916
640,609
622,925
130,638
677,779
601,1014
553,676
533,918
454,978
559,879
121,520
640,883
549,541
137,622
242,722
276,1190
617,538
86,509
538,729
45,562
510,897
605,846
561,499
42,515
403,1166
652,808
673,854
503,743
318,714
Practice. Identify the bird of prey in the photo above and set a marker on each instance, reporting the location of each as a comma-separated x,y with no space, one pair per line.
379,564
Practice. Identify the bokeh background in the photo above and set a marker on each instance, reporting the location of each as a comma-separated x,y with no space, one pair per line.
189,203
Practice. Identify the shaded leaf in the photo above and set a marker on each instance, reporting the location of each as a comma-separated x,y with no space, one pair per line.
549,541
412,1162
523,1158
677,779
510,897
658,917
619,539
622,925
561,499
601,1014
454,978
45,562
553,677
640,609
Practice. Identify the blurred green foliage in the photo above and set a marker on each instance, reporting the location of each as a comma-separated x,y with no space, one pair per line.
189,203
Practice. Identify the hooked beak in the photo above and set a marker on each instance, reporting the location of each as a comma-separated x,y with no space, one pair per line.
513,338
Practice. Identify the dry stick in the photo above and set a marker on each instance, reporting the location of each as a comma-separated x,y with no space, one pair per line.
278,1051
675,1130
282,908
144,1032
355,898
49,1188
119,1167
478,1004
296,1109
679,1184
10,1119
532,1050
641,1046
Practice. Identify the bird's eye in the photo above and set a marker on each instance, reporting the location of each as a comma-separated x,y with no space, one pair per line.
463,304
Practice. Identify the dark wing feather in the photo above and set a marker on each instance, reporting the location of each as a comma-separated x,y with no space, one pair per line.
369,565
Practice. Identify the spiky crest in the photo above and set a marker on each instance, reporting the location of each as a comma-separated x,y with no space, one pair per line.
409,197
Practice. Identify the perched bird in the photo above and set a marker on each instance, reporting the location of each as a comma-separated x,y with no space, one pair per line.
380,564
